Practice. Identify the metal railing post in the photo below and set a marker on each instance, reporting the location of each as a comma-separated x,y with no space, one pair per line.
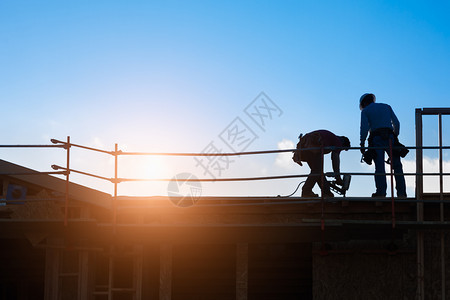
392,184
322,178
116,155
66,205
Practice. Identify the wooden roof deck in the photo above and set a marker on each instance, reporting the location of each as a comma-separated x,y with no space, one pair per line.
217,219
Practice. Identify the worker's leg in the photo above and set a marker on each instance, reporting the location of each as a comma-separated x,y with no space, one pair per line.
380,180
314,164
400,184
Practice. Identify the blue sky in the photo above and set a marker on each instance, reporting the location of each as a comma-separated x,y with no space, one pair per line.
170,76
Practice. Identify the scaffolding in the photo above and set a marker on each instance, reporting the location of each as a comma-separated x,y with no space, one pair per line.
419,113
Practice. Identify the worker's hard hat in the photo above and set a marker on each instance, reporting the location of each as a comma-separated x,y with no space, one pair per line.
366,99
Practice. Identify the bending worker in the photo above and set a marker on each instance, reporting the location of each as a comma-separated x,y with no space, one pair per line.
326,140
380,120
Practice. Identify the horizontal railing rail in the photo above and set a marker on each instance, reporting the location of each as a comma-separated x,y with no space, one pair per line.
66,170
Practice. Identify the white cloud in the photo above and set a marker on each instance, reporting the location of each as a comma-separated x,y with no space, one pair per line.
97,143
284,159
430,182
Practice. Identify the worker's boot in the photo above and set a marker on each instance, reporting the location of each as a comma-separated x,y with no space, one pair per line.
328,194
309,194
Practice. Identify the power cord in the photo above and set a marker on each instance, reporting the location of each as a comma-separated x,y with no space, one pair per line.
296,189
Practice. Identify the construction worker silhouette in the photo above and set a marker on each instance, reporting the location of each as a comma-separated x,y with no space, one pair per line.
322,141
380,120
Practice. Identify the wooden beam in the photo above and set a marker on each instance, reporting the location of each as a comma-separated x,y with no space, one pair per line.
435,110
420,207
165,272
51,271
241,271
138,270
111,272
83,275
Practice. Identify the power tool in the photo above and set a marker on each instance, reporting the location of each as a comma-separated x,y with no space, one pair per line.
341,190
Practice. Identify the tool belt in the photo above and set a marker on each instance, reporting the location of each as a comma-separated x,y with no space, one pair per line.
385,133
309,140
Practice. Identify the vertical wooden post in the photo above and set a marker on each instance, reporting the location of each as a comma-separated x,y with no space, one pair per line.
111,272
441,208
165,275
85,284
419,164
419,197
83,275
137,271
242,271
51,270
51,274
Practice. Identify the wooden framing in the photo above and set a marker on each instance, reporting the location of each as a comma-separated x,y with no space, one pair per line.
165,272
242,271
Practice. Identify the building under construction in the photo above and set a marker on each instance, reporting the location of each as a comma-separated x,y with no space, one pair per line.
61,240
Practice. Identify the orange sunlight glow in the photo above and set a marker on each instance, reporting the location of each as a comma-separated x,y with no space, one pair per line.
143,167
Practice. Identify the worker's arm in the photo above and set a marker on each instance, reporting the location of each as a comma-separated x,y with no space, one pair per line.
395,122
364,130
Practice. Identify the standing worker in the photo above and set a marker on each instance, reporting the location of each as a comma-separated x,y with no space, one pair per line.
322,140
380,120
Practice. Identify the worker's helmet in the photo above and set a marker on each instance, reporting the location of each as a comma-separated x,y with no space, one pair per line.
366,99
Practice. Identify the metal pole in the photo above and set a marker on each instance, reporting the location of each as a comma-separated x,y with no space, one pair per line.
66,206
441,170
322,178
419,193
392,184
115,184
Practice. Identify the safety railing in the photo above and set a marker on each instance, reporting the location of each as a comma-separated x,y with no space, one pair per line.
67,170
322,199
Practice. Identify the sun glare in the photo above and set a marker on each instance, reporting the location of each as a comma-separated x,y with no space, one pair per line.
143,167
154,167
